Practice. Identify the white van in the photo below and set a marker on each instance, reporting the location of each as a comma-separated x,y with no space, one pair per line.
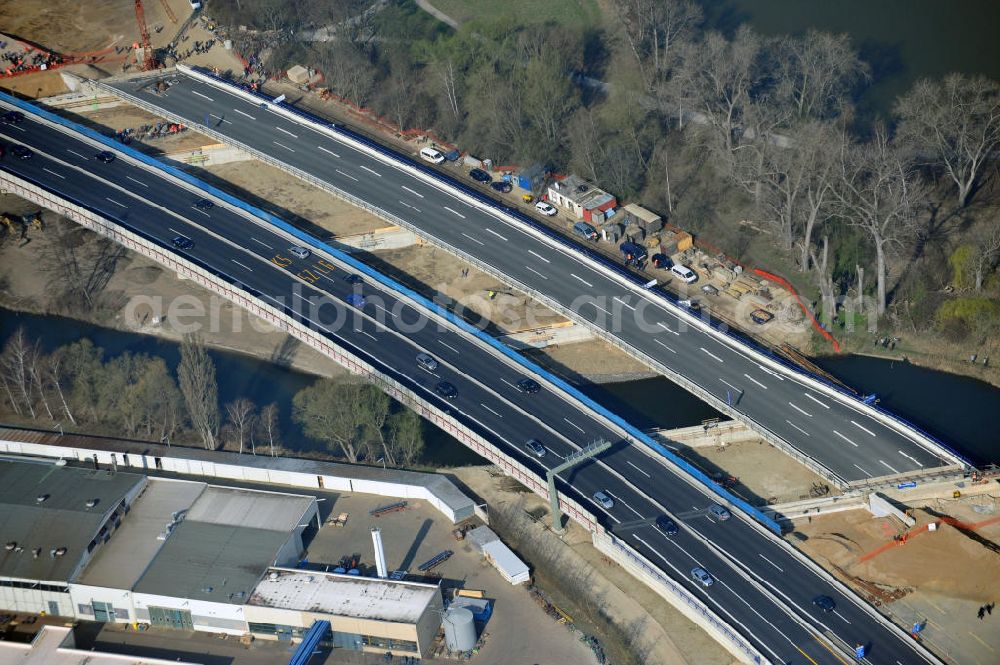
684,273
431,155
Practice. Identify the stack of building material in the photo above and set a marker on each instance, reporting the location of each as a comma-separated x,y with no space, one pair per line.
503,559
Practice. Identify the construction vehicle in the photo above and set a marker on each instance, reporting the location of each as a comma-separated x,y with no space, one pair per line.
34,220
15,226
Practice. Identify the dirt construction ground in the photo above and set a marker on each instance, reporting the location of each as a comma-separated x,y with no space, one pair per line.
940,577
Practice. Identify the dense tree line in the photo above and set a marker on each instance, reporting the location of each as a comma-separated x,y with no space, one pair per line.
705,127
135,395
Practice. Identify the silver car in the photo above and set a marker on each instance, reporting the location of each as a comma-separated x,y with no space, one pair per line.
701,576
601,497
427,361
300,252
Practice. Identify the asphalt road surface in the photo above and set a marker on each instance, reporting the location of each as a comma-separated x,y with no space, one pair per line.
842,437
759,583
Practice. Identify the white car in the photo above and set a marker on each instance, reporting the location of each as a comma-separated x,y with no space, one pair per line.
545,208
431,155
300,252
601,497
684,273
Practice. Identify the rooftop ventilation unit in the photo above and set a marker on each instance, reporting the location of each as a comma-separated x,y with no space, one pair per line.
10,545
42,498
92,502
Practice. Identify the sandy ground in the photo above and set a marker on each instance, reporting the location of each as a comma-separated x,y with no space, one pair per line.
666,636
764,473
291,199
941,577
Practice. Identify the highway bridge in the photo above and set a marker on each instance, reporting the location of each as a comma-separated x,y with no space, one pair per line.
832,432
764,588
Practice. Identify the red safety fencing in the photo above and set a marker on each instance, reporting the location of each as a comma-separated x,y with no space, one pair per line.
808,312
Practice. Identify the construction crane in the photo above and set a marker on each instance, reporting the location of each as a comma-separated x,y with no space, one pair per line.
148,62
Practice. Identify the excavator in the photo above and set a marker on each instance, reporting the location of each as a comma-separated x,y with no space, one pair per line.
18,225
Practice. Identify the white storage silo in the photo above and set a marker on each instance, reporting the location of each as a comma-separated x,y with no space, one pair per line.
459,629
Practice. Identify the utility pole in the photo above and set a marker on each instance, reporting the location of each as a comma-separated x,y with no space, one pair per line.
595,448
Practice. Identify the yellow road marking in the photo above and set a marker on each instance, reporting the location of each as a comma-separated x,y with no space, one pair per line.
835,654
976,637
807,656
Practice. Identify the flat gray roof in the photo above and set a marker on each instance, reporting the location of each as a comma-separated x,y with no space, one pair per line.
61,520
254,509
344,595
122,561
442,487
212,562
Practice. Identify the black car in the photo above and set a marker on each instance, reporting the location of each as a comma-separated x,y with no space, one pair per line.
105,156
13,117
446,390
180,242
480,175
666,525
354,279
203,204
502,186
824,603
21,152
528,386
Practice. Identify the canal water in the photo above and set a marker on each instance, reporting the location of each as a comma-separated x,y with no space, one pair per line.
902,40
956,409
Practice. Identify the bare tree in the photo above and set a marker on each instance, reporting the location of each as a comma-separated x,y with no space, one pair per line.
14,364
876,192
817,72
332,413
268,423
954,124
375,407
36,362
654,28
196,374
718,77
55,375
406,436
985,254
241,417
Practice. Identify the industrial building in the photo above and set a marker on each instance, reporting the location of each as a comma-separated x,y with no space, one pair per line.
115,546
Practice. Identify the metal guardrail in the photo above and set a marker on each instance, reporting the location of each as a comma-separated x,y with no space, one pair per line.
631,432
723,330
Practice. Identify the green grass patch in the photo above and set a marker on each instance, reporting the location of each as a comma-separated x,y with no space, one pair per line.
584,13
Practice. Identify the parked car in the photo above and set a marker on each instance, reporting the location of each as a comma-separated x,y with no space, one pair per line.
684,273
427,361
21,152
536,447
585,231
666,525
204,204
182,242
300,252
601,497
545,208
719,511
446,390
431,155
480,175
824,603
13,117
528,386
710,290
662,262
105,156
701,576
502,186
